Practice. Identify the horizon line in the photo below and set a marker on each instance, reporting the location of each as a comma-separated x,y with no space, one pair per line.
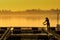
29,9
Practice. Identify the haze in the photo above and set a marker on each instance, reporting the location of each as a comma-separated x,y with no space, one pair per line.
20,5
34,19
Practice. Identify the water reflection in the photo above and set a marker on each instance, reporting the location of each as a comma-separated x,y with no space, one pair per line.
27,20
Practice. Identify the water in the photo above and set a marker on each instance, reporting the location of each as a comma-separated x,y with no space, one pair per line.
27,20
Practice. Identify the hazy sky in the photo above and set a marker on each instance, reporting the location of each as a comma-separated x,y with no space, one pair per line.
29,4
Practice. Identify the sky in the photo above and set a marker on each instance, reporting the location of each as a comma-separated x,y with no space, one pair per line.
18,5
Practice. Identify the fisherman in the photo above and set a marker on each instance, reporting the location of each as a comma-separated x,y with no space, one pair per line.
46,22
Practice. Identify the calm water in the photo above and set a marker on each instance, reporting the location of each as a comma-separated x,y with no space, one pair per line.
35,20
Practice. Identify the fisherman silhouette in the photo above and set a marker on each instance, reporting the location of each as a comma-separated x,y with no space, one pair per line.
46,22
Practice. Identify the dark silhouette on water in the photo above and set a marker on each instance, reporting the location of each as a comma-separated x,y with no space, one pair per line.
46,22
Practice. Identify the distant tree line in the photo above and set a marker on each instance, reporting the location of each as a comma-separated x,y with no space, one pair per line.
32,10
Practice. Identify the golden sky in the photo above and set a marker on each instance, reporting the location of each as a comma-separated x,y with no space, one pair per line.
29,4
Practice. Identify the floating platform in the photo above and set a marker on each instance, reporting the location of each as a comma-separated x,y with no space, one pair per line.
25,33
